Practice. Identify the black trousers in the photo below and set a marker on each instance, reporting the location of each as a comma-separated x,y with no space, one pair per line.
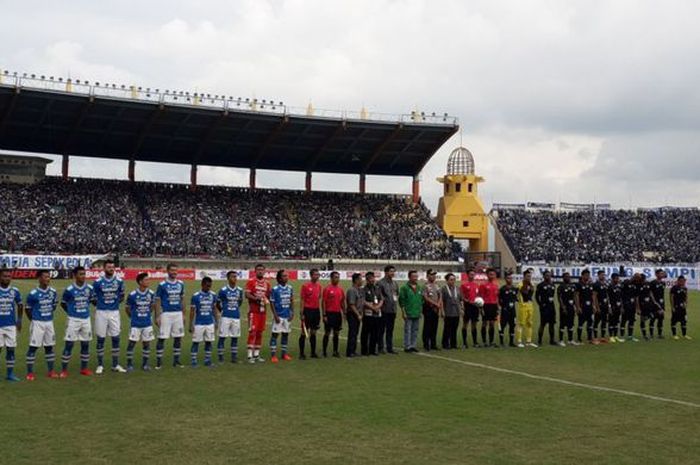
449,332
353,330
369,335
430,328
385,333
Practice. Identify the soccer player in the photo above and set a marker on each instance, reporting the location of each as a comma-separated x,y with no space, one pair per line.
566,294
630,307
389,291
432,311
489,292
658,288
170,315
282,304
616,300
203,315
10,320
507,298
41,305
333,305
526,310
229,303
109,293
584,305
647,306
140,306
310,313
601,307
76,302
355,298
544,296
369,336
679,301
257,291
470,290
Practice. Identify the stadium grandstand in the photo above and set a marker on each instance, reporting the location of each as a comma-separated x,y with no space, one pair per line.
70,117
600,235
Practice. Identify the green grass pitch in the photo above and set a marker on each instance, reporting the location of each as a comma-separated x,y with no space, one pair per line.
405,409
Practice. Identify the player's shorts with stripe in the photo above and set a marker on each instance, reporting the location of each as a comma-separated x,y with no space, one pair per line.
490,312
312,318
78,329
8,336
42,334
284,326
171,325
679,315
256,321
203,333
471,312
108,323
230,327
145,334
334,321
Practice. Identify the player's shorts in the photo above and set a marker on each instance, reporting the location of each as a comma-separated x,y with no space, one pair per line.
171,325
507,317
256,321
471,313
8,336
108,323
548,315
490,312
615,311
566,317
312,318
586,315
78,329
203,333
629,313
42,334
334,321
230,327
142,334
284,326
679,315
647,312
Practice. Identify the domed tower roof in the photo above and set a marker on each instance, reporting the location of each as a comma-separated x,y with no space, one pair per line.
461,161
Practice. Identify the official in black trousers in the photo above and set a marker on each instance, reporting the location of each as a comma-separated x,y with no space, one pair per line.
355,298
452,310
432,311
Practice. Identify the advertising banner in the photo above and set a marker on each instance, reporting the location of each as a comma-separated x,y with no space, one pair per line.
55,262
129,274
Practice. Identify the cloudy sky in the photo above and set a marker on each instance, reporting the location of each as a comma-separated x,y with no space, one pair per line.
558,100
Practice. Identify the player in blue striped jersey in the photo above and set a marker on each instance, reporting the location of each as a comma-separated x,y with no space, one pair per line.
230,300
76,302
140,306
109,292
203,314
170,315
41,305
282,301
10,320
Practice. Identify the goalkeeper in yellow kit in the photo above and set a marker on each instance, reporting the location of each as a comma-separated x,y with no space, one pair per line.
526,310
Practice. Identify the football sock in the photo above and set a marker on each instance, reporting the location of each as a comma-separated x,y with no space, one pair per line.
84,354
312,342
10,361
159,351
130,354
193,353
115,351
207,353
145,354
177,348
325,344
100,351
220,348
302,344
50,357
65,357
234,349
273,345
285,339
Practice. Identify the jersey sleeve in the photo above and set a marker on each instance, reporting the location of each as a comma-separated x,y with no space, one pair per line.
182,290
159,292
67,296
18,297
193,300
31,300
130,299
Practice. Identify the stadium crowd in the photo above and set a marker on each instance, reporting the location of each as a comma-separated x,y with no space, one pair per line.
99,216
660,235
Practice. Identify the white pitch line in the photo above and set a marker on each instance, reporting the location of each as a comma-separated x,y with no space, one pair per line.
562,381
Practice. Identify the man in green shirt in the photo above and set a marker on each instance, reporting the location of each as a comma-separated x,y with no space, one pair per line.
411,303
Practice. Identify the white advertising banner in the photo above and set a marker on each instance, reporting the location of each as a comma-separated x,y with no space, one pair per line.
65,262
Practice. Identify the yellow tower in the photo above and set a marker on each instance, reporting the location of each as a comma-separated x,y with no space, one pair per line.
460,212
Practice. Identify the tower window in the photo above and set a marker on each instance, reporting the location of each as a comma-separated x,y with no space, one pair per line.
465,224
470,187
458,187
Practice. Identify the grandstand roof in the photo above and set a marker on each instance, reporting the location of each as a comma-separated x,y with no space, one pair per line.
63,117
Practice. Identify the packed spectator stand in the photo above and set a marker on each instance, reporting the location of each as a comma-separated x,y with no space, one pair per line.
662,235
100,216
